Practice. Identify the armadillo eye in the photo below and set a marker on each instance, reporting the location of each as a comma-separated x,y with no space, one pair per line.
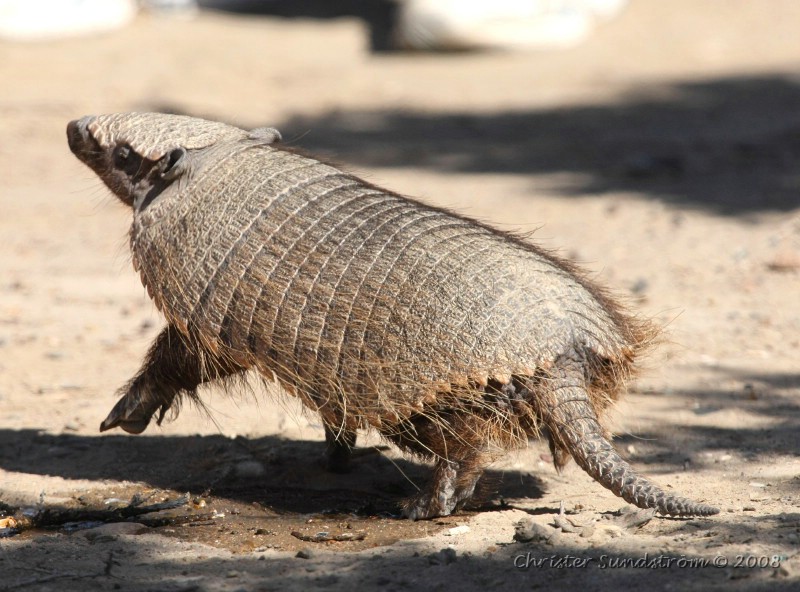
121,156
126,160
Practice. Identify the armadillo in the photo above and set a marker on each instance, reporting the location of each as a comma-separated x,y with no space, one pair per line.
454,340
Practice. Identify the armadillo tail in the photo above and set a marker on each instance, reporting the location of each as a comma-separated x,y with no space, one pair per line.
595,455
572,421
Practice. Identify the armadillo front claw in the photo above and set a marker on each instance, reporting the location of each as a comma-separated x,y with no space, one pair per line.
130,414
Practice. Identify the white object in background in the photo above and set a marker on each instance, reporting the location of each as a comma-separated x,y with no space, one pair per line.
27,20
499,24
603,9
172,8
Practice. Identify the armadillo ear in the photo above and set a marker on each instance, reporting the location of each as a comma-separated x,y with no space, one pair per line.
267,135
174,164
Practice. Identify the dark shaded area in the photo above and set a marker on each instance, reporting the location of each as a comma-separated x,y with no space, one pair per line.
269,485
379,15
294,479
764,394
730,145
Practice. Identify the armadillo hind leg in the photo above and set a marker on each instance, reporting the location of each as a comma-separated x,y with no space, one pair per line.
451,486
457,442
171,369
339,447
573,425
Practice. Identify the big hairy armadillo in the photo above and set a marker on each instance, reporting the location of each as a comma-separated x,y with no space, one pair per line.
453,340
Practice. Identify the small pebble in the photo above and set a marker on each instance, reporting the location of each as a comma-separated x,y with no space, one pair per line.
633,518
640,286
304,554
784,261
564,524
610,530
527,530
250,469
444,557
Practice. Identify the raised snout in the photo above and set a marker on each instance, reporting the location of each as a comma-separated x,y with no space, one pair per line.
78,136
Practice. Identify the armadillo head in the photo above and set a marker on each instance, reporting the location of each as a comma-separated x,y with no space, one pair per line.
139,154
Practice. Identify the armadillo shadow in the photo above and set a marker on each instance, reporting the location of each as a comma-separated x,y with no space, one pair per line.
285,475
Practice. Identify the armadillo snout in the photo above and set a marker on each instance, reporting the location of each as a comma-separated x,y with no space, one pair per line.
78,136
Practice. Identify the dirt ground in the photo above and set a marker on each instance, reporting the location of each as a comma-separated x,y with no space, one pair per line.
663,154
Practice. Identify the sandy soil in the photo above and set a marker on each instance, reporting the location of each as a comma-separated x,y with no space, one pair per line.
663,154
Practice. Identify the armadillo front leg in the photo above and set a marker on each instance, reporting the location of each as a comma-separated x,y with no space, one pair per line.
171,369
